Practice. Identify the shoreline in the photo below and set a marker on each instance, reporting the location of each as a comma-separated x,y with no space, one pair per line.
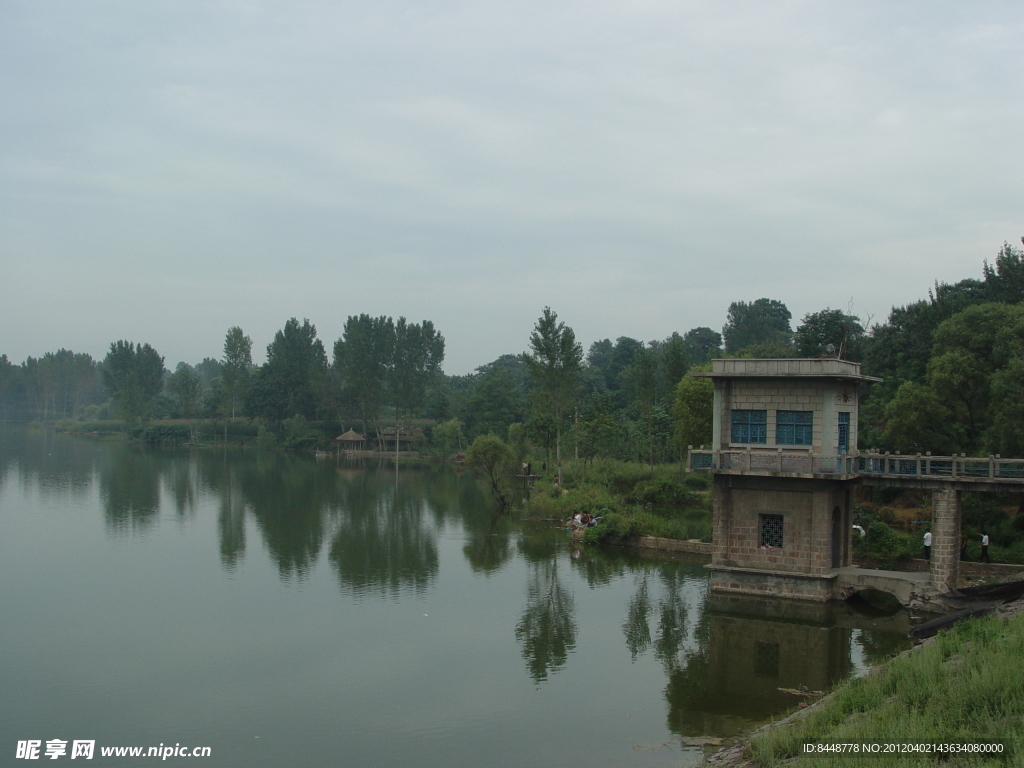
736,755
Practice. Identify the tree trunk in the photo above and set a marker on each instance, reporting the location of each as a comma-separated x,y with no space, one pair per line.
558,451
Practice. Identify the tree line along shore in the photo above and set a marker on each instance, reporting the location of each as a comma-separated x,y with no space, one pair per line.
952,366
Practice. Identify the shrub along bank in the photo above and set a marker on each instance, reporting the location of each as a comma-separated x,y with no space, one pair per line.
632,499
962,688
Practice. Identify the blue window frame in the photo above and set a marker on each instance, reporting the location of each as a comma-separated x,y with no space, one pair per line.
844,432
749,426
794,427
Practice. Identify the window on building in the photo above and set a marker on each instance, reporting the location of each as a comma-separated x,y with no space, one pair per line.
844,432
794,427
771,531
766,659
749,426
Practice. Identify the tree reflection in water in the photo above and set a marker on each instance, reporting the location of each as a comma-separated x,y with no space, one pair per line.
670,643
130,489
181,483
287,496
547,628
636,626
382,543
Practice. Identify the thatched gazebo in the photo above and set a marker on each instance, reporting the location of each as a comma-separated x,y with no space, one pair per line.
350,441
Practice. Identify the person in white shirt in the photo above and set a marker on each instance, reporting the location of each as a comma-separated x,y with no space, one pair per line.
927,545
984,548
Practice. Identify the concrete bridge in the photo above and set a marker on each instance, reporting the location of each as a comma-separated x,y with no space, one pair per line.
785,461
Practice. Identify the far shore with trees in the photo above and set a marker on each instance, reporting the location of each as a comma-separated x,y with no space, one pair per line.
609,426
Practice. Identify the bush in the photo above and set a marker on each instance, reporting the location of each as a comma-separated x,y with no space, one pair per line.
659,491
886,545
697,482
265,438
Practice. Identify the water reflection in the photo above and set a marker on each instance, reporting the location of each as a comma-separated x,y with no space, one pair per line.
48,462
129,482
724,660
547,628
287,496
381,542
755,647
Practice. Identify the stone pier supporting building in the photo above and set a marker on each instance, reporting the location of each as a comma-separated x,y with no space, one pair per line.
945,563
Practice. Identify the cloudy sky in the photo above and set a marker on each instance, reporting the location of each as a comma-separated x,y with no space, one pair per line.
170,169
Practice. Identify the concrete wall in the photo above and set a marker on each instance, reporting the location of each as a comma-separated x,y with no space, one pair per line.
807,510
772,584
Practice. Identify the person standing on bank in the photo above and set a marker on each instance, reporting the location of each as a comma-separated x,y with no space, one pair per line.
984,549
927,545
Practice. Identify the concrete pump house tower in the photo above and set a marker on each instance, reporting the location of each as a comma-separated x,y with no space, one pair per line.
783,430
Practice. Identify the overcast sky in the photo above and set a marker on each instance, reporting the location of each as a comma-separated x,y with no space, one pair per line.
171,169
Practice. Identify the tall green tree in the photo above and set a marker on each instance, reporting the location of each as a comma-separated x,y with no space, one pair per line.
418,354
673,362
643,372
693,410
554,363
293,381
185,387
134,376
969,399
702,344
829,328
59,382
759,322
235,367
10,388
493,403
363,358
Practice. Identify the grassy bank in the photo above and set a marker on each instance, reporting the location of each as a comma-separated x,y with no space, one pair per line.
963,687
633,500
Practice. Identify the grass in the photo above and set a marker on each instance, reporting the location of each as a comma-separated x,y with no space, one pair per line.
964,687
632,500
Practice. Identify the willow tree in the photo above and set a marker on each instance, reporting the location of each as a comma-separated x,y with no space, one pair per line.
554,363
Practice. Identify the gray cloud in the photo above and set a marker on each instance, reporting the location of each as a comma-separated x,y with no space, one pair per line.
170,169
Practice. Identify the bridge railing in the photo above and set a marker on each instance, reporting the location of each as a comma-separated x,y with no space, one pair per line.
867,464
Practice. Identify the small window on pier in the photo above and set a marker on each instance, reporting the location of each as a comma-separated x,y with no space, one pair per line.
766,660
794,427
771,531
749,426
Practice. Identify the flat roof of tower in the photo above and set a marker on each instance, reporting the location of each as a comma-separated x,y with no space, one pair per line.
785,368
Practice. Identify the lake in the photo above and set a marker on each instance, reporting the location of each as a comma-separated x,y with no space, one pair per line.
284,611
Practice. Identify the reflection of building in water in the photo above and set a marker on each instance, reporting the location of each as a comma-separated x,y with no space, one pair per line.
755,646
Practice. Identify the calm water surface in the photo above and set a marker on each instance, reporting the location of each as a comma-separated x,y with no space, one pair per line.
286,612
